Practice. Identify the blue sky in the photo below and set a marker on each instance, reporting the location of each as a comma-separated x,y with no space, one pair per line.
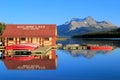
57,11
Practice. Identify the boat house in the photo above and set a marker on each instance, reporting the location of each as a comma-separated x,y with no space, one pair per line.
40,34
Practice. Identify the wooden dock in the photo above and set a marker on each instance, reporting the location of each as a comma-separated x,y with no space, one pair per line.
41,50
75,47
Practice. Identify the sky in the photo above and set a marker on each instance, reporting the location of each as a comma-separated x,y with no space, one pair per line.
58,11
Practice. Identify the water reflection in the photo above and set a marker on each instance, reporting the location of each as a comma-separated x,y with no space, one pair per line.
114,43
45,62
72,65
85,53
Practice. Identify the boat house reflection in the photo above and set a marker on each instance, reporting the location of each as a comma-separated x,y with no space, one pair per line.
45,62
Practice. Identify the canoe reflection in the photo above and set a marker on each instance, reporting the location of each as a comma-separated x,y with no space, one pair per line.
46,62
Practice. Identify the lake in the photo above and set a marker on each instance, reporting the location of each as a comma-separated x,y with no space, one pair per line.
71,65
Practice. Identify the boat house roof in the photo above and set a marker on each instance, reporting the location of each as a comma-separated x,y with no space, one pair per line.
30,30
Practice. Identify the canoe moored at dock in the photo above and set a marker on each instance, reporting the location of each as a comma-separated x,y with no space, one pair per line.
22,47
108,48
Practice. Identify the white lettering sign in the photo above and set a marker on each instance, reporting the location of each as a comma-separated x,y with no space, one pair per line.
31,27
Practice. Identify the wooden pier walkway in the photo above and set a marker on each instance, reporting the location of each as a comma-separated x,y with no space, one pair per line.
75,47
41,50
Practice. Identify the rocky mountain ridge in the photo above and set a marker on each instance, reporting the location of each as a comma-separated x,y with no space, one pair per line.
80,26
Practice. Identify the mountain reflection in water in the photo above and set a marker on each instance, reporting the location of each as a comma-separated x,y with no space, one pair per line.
90,53
85,53
72,64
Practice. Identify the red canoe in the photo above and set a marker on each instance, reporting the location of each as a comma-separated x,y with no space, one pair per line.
22,47
108,48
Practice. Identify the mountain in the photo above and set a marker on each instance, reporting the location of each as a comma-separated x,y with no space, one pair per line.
79,26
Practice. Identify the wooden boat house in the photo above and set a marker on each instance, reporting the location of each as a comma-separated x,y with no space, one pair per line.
41,34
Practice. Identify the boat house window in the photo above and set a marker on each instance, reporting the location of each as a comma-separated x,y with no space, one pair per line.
22,39
10,39
46,39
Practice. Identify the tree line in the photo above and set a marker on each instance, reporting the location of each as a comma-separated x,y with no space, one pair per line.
104,34
2,28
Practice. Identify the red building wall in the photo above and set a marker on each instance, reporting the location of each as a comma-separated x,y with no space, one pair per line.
29,31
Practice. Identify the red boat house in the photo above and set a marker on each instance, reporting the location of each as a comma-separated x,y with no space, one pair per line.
41,34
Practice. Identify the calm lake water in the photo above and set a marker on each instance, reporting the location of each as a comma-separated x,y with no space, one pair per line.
74,65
